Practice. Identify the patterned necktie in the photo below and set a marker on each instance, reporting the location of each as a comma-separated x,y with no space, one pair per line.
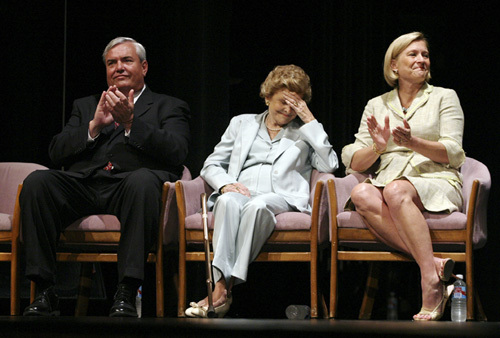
109,166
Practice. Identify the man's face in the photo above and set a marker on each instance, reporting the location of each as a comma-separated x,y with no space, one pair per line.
124,68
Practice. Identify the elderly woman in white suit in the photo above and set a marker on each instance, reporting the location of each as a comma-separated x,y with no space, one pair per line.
412,137
260,168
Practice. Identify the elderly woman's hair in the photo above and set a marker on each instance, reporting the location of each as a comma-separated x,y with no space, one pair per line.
290,77
139,49
396,47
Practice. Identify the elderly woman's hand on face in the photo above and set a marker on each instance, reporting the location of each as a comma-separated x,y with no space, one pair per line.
236,187
299,106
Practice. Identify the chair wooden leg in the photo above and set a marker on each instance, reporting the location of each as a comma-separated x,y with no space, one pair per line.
333,282
371,289
84,288
181,304
15,302
480,316
32,291
175,281
160,297
314,287
324,307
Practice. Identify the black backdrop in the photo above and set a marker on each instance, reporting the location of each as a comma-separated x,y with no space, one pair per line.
214,54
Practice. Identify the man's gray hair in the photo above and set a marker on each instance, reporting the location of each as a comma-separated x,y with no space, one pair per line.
140,50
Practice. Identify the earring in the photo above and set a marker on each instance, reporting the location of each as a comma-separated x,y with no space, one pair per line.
395,71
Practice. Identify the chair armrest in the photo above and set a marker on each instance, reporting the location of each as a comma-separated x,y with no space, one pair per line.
169,212
480,214
343,188
475,190
315,177
188,195
186,174
338,191
170,215
323,219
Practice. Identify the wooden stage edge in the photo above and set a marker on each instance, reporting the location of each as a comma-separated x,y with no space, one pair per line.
56,327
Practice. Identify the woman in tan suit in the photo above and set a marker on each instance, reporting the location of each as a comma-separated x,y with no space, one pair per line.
412,137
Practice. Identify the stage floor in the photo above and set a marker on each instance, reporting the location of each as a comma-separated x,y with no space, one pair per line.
240,328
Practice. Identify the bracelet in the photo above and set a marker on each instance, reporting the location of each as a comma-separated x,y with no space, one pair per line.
378,152
221,190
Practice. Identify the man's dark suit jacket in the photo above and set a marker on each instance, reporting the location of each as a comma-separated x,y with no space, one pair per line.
159,139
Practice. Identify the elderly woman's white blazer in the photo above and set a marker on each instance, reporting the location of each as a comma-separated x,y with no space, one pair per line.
302,147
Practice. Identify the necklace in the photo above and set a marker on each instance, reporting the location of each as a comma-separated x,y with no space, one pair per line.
405,110
271,129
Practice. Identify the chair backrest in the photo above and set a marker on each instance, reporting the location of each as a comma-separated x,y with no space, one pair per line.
171,219
192,193
315,177
474,170
11,175
344,186
186,174
323,211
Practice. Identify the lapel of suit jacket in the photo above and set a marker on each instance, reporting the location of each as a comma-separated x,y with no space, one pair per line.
289,137
143,103
247,133
419,101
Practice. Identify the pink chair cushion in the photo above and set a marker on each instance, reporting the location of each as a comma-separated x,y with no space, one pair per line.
95,223
453,221
293,221
5,222
286,221
194,221
11,175
107,222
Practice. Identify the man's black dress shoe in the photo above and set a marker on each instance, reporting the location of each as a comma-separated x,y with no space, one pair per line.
124,302
45,304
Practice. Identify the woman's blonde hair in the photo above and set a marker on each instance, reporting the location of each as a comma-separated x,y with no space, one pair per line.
396,47
290,77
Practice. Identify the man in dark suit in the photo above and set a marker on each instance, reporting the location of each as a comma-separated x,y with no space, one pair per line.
117,148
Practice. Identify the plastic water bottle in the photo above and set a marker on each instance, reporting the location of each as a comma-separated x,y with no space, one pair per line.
459,300
392,306
298,312
138,302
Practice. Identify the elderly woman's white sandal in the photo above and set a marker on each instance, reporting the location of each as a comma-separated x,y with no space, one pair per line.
197,311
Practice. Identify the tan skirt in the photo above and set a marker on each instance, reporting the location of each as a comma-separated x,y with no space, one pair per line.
436,194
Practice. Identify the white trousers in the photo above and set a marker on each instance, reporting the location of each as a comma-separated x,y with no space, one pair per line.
241,227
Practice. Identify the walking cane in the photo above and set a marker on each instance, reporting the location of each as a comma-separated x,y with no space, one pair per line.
204,216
